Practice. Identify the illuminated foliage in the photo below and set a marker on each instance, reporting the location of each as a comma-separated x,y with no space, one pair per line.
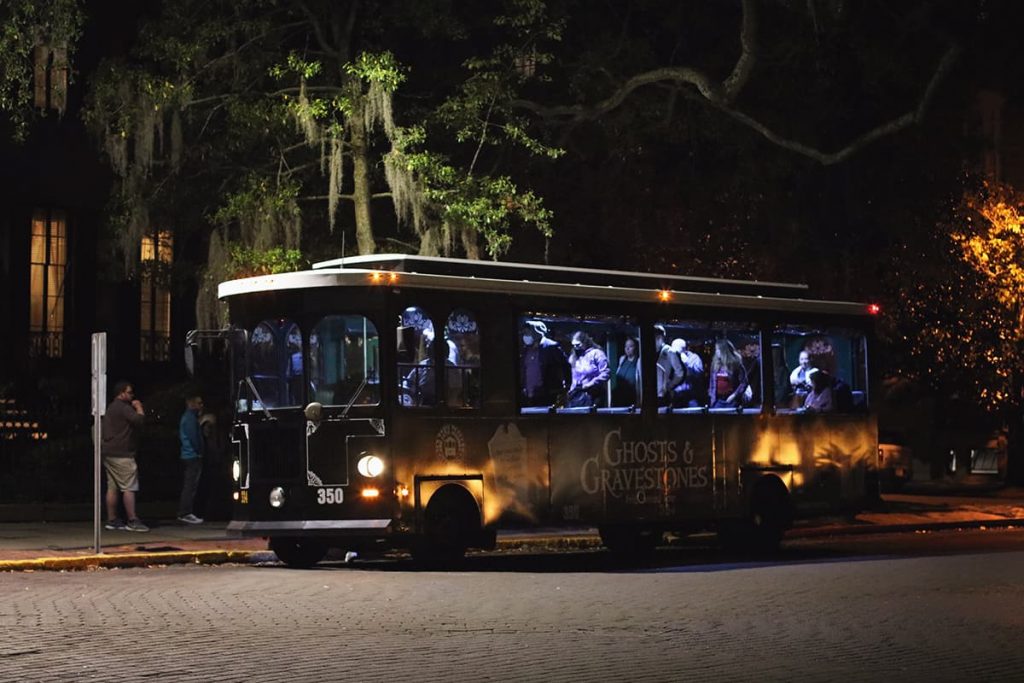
283,123
958,314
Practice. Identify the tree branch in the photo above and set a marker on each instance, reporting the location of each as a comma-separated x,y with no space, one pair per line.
895,125
748,53
722,95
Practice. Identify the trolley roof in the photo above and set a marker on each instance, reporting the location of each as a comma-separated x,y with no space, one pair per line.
535,272
390,270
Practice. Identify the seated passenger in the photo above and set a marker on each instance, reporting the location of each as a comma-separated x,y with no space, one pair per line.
819,400
687,394
728,379
799,380
589,373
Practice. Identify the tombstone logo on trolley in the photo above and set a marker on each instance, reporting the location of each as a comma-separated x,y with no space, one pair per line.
450,444
634,469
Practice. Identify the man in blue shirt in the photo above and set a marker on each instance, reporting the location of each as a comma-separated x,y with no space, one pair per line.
191,458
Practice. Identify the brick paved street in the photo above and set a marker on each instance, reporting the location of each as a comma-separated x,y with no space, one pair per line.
918,618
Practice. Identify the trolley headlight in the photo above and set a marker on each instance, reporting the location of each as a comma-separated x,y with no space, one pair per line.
276,497
236,470
370,466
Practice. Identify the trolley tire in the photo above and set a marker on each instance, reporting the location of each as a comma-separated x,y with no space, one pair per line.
298,553
771,513
630,542
451,522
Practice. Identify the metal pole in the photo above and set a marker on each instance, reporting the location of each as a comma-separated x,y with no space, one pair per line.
99,396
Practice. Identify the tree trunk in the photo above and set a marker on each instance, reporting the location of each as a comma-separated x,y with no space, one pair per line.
471,243
361,181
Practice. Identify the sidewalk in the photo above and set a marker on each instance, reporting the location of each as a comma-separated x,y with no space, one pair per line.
70,545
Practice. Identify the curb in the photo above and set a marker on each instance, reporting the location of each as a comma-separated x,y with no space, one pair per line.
868,529
573,542
118,561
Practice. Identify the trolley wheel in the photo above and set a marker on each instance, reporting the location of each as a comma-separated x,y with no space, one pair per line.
451,523
771,513
298,553
628,541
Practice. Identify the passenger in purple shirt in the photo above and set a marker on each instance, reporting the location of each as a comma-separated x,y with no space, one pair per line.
543,370
590,372
820,398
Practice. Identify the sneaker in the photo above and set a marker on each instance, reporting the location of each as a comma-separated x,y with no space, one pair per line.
114,525
135,525
190,519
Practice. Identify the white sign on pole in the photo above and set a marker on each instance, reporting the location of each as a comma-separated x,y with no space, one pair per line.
99,373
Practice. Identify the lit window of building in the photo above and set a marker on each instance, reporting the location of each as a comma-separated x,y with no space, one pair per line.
156,255
50,77
47,273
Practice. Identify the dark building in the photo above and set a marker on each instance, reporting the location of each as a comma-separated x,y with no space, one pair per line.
62,281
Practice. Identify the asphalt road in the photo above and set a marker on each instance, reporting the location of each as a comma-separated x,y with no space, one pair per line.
939,606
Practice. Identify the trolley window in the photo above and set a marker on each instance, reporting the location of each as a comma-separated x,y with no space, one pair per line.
417,381
275,350
578,364
344,357
712,366
819,370
462,372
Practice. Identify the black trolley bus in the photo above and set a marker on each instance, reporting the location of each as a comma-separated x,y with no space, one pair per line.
423,403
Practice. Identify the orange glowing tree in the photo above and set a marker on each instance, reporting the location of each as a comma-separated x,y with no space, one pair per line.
989,239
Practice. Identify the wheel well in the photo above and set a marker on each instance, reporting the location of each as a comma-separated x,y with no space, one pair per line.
453,498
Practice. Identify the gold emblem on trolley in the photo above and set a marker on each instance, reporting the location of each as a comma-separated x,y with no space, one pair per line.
450,444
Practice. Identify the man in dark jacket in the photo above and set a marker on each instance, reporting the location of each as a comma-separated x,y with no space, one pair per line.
121,426
191,437
543,369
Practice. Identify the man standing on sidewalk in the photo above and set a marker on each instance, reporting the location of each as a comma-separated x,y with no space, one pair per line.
191,458
122,425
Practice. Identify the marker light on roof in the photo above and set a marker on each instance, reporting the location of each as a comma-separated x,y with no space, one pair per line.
874,309
375,276
392,277
664,295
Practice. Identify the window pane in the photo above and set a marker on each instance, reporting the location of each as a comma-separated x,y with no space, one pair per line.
416,377
165,246
40,66
819,370
55,298
36,298
463,372
267,359
162,311
715,365
343,360
58,255
55,313
578,363
147,251
38,254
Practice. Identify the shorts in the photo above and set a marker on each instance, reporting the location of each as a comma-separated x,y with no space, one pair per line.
122,473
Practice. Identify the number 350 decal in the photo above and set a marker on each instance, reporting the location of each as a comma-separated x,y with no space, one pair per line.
329,496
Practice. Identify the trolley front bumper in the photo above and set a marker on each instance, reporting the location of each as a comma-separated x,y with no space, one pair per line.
312,527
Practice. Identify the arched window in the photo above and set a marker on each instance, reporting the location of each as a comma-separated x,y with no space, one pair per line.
344,361
275,357
417,381
462,374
